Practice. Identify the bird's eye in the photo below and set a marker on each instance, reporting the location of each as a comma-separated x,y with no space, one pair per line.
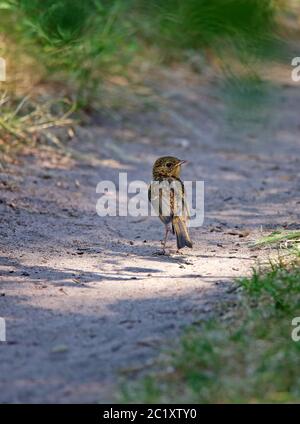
169,164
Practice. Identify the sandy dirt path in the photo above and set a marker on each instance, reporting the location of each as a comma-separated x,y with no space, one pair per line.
84,298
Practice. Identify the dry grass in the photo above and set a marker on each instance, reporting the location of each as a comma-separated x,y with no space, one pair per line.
29,121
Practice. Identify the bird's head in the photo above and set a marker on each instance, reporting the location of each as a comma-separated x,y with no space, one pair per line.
167,166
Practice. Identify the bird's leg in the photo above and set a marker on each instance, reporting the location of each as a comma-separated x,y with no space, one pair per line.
167,230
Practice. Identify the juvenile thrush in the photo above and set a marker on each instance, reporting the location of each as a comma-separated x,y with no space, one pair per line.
167,196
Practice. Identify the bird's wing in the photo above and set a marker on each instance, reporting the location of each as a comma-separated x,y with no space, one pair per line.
168,199
161,197
186,208
181,207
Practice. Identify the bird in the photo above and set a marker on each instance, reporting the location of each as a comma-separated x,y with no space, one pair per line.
166,194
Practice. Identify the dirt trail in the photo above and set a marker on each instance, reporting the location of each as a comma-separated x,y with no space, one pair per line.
84,297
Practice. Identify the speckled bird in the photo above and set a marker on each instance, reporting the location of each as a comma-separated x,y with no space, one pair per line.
168,199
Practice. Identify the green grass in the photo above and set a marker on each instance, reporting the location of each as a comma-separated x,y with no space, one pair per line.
73,47
84,41
78,43
198,23
279,237
245,356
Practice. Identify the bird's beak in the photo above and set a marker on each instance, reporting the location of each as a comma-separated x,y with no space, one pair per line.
181,162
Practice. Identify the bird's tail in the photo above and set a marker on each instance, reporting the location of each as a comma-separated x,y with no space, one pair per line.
182,234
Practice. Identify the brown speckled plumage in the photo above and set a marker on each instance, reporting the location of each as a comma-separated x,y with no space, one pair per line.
169,200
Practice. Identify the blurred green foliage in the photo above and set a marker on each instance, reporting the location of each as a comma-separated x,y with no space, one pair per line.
88,39
57,22
79,39
197,23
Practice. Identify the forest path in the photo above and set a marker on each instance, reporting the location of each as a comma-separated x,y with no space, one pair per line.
84,297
